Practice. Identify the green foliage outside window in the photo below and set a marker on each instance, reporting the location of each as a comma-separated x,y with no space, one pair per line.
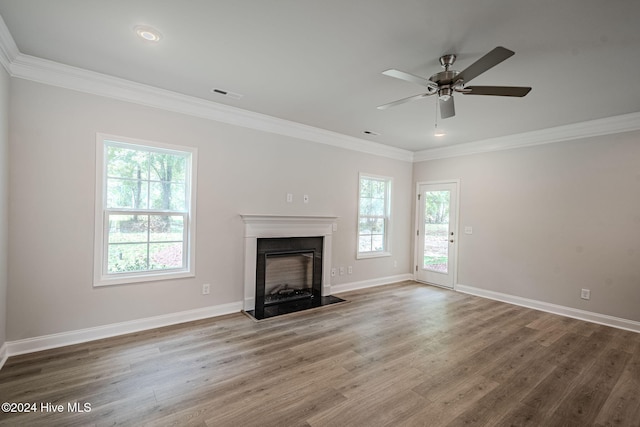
372,218
146,202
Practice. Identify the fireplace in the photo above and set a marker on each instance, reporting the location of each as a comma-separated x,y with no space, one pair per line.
287,264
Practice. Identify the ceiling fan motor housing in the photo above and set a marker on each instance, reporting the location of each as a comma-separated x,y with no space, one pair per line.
444,78
447,83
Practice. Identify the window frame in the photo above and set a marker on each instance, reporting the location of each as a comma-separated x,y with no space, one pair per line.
101,240
387,217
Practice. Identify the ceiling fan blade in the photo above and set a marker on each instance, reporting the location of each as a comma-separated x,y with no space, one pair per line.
447,108
483,64
402,101
518,91
411,78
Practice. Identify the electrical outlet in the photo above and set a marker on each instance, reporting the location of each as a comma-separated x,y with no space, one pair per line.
206,288
333,272
342,271
350,270
289,198
585,294
305,198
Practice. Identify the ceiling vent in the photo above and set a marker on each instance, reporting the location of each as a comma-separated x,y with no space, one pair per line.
226,93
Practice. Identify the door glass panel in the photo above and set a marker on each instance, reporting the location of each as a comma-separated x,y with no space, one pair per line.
436,231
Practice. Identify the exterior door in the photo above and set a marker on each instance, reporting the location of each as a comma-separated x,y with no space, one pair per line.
437,230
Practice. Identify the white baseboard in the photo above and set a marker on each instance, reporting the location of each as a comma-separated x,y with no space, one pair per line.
29,345
589,316
345,287
4,354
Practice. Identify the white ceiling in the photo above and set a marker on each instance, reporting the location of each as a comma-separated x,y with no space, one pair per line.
319,62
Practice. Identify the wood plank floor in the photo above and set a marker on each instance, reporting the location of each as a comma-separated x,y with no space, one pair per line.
399,355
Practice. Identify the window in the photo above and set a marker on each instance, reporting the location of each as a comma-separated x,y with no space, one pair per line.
374,216
145,209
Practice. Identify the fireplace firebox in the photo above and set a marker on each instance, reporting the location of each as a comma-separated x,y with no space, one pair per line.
288,276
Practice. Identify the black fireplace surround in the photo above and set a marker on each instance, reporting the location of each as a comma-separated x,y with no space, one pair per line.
295,281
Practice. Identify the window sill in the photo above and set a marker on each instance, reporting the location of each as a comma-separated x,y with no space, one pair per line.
141,278
365,255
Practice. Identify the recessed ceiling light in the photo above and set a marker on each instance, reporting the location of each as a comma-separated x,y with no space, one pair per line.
147,33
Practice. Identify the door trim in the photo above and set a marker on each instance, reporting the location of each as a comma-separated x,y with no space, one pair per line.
416,248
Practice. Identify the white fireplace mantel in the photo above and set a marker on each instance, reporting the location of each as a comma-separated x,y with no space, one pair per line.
268,226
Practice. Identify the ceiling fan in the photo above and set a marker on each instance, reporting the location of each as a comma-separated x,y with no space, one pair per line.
448,81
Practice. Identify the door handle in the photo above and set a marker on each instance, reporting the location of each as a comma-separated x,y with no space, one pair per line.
451,240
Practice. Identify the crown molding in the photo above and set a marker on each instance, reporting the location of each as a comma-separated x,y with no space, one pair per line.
68,77
607,126
57,74
8,48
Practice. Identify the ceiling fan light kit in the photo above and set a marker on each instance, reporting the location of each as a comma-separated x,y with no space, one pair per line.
446,82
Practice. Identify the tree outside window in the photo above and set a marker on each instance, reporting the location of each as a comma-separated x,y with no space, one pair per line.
373,215
146,210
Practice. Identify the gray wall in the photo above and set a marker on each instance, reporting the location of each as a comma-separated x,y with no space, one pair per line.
4,199
547,220
240,171
550,220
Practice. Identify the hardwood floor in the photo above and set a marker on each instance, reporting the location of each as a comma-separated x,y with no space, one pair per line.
400,355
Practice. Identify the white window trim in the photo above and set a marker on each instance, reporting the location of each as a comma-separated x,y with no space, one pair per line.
100,278
388,222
